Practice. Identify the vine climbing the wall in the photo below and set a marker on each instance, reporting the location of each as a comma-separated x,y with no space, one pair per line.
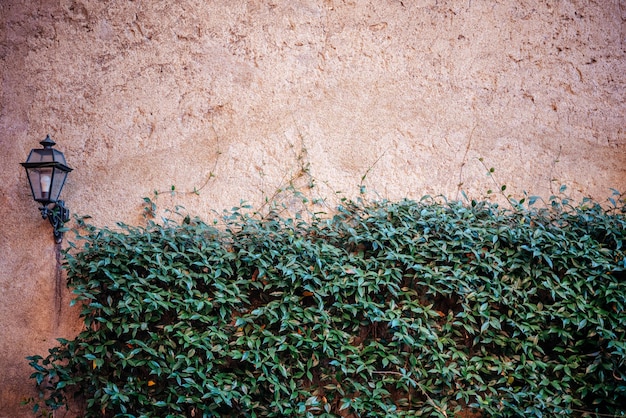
381,309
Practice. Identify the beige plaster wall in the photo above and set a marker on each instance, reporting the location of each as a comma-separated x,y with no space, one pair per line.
238,98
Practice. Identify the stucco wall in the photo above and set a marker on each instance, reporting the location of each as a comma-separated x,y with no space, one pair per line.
238,98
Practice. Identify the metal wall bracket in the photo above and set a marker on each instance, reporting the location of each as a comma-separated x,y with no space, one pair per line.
58,215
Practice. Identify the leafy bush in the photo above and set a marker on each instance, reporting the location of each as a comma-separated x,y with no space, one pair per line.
386,309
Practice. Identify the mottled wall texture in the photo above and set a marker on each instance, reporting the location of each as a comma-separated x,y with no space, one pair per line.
237,99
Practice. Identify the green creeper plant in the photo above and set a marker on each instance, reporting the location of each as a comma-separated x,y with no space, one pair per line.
384,309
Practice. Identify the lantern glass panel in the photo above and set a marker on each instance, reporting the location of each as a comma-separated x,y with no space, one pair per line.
40,180
56,183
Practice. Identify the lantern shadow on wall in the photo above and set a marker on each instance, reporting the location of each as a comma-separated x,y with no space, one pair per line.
47,170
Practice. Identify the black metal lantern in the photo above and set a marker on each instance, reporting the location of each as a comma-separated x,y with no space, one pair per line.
47,170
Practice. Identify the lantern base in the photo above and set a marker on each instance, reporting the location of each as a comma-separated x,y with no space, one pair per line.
57,215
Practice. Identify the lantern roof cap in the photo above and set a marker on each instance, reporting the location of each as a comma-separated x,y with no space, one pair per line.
47,157
48,142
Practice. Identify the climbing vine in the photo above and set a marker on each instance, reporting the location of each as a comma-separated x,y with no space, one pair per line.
384,309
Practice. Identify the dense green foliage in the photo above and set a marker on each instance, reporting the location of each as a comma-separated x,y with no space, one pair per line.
386,309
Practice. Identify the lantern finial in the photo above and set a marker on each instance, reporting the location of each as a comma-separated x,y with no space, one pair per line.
48,142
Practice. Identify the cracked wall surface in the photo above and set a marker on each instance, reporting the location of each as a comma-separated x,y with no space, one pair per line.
231,100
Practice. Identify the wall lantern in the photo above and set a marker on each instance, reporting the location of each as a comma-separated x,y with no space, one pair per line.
47,170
